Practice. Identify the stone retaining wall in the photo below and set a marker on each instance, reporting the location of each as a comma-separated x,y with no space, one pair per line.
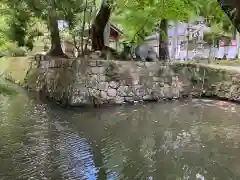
123,82
88,82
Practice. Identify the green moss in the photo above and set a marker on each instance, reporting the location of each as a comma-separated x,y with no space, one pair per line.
31,78
112,72
160,71
227,62
196,78
6,90
177,68
3,64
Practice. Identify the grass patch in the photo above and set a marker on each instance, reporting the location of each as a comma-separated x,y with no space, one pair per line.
227,62
15,68
3,65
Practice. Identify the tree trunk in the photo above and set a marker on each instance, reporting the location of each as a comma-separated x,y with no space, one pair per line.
232,10
174,40
163,40
83,27
56,49
187,41
234,32
99,25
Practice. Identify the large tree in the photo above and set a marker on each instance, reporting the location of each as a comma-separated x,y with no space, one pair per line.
49,11
56,48
99,25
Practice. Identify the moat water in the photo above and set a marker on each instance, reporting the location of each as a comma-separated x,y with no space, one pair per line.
177,140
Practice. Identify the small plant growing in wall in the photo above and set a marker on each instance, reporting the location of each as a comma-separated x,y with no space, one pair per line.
165,73
160,71
112,72
177,68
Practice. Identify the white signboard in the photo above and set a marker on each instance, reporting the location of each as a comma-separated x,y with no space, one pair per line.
62,25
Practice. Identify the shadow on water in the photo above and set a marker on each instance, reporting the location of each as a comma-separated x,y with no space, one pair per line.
170,140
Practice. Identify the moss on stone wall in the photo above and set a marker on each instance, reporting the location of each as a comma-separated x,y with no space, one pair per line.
32,78
7,90
101,82
112,72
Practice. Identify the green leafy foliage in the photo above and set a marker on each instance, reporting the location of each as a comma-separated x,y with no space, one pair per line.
140,18
79,21
22,21
215,17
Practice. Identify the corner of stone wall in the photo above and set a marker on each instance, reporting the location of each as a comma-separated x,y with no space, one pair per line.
53,78
93,79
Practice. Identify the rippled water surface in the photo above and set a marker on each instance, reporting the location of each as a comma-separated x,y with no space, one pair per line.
197,139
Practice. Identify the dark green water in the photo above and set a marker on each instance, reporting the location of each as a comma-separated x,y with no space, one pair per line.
181,140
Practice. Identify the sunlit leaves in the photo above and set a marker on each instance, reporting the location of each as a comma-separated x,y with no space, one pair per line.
216,17
139,17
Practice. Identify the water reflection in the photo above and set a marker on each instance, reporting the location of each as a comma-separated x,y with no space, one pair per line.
173,141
